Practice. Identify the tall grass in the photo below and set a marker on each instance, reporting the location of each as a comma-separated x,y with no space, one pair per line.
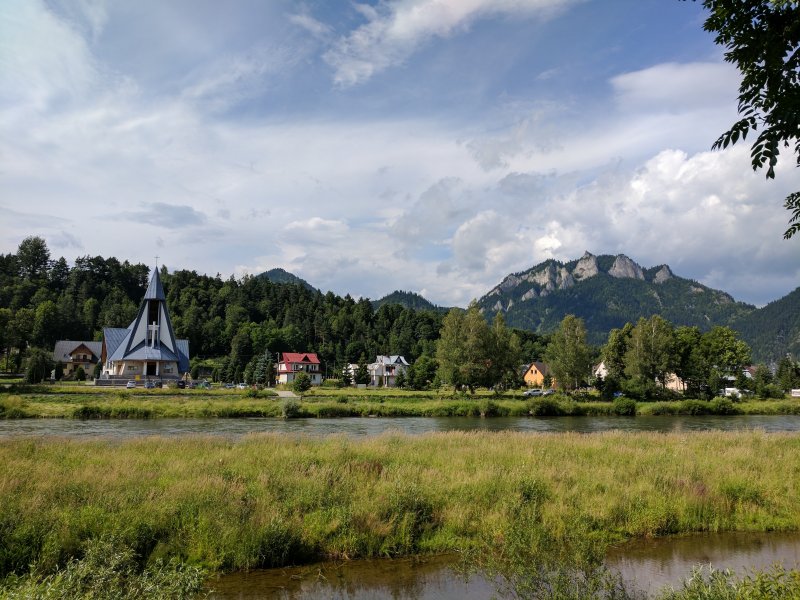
275,499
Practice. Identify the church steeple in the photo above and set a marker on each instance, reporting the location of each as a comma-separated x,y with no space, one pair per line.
152,329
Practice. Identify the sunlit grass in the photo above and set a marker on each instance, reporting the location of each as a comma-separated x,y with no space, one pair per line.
269,500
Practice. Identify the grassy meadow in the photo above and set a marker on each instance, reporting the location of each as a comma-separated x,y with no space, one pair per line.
269,500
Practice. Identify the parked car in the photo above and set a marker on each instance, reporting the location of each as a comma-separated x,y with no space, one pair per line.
533,393
130,384
549,392
242,386
149,385
181,384
229,386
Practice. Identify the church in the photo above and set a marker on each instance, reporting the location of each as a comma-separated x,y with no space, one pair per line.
147,349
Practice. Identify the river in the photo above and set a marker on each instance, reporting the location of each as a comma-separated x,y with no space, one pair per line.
648,565
365,426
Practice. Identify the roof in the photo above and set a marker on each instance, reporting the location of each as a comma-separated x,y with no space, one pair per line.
394,359
299,357
155,291
113,337
64,348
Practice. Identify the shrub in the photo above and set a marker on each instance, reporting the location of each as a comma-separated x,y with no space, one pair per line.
723,406
624,407
290,409
80,374
545,407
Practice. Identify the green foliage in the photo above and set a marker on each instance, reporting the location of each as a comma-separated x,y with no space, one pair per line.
707,583
59,371
362,371
650,354
568,354
472,354
39,365
290,409
761,38
624,407
301,383
109,570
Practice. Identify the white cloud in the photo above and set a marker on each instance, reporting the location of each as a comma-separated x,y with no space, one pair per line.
310,24
394,30
677,87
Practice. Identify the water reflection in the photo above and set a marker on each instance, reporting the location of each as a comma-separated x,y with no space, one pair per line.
652,564
398,579
360,427
648,565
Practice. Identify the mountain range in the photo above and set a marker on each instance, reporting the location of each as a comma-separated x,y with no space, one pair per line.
608,291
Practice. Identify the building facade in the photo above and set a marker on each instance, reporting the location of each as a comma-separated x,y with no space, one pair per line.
292,363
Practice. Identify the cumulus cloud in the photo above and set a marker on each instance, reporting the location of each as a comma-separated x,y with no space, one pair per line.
394,30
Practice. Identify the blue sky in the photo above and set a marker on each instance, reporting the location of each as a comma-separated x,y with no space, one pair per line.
425,145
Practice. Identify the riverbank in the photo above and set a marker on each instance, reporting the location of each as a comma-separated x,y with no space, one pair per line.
271,500
86,402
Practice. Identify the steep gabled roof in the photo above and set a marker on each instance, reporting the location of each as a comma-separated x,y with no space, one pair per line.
300,357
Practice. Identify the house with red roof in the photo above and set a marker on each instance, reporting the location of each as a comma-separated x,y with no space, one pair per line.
292,363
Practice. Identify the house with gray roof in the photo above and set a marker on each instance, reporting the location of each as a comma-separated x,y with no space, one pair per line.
384,371
74,354
147,348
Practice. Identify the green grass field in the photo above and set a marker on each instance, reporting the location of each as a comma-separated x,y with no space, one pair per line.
271,500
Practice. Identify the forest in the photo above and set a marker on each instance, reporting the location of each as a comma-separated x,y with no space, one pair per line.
44,299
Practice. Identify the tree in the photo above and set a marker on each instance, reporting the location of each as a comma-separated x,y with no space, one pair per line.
788,374
33,257
59,371
613,355
80,374
466,350
362,371
650,355
301,383
346,377
400,380
39,365
762,39
504,357
568,354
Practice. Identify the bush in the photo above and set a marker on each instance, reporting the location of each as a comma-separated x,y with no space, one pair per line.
80,374
723,406
332,383
545,407
290,409
624,407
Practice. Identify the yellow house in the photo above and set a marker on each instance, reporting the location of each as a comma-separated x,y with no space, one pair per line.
535,374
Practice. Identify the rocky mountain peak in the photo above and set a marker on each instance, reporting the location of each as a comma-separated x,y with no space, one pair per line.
625,268
586,267
663,274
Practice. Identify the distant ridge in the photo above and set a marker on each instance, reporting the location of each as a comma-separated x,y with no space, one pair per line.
408,300
774,330
279,275
607,292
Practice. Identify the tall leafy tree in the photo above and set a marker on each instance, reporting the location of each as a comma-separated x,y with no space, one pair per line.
762,38
33,257
568,355
650,355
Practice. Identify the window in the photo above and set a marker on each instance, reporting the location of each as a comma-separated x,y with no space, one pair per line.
132,368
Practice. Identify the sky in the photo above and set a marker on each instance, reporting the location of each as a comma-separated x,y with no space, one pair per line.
424,145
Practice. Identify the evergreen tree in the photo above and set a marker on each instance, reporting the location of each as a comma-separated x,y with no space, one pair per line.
362,372
346,377
301,383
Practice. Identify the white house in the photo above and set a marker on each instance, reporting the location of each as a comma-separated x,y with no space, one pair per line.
385,369
292,363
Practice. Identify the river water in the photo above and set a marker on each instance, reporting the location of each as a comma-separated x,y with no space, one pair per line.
365,426
648,565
